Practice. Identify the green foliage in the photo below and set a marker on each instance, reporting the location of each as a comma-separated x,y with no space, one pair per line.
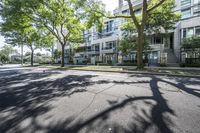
18,60
38,22
156,16
192,46
163,16
38,54
128,43
5,52
57,54
193,41
8,49
28,54
3,57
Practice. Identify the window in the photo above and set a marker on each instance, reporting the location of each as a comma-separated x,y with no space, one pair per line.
96,47
157,40
109,26
196,10
196,1
186,13
184,33
110,45
185,2
88,48
190,32
125,11
197,31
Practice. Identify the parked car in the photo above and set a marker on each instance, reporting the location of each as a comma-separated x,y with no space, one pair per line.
1,64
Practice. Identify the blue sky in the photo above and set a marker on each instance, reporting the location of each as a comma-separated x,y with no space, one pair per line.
110,6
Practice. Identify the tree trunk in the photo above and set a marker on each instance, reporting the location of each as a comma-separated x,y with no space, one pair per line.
63,56
140,47
32,52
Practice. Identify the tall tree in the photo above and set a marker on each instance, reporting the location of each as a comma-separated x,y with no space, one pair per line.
155,15
18,26
64,19
67,19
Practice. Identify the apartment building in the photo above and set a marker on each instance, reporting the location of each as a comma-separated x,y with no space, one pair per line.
188,26
103,46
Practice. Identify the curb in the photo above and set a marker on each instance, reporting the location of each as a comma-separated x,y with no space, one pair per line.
130,72
147,73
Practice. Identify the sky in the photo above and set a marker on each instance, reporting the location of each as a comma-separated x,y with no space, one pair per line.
110,6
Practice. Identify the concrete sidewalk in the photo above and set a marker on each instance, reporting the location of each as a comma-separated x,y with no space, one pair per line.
146,67
172,71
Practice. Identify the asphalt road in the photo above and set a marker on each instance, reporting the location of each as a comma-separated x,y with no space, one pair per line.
41,100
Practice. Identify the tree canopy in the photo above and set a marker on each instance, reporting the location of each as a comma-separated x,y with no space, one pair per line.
155,16
5,53
65,20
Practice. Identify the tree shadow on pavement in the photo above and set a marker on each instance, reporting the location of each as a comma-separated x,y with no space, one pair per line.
158,120
30,101
140,123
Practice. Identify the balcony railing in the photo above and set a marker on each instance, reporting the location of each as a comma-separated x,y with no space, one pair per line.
96,51
108,50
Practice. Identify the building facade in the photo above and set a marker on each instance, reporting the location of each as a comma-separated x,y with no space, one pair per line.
103,46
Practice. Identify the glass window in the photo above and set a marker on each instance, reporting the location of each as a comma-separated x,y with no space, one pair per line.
126,11
186,13
184,33
197,31
97,47
110,45
185,2
190,32
196,10
157,40
109,26
196,1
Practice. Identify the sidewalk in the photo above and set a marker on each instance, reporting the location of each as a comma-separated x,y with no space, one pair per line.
134,67
171,71
177,68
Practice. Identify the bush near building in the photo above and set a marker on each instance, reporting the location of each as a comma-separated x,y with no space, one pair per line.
190,52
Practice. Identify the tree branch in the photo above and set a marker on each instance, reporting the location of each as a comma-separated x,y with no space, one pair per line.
155,6
133,14
119,16
144,14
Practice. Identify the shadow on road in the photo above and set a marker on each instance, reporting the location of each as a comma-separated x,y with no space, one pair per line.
31,100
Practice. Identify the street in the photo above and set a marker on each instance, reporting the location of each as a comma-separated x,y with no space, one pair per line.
44,100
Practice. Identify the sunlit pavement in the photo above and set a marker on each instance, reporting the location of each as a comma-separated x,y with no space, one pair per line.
48,100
